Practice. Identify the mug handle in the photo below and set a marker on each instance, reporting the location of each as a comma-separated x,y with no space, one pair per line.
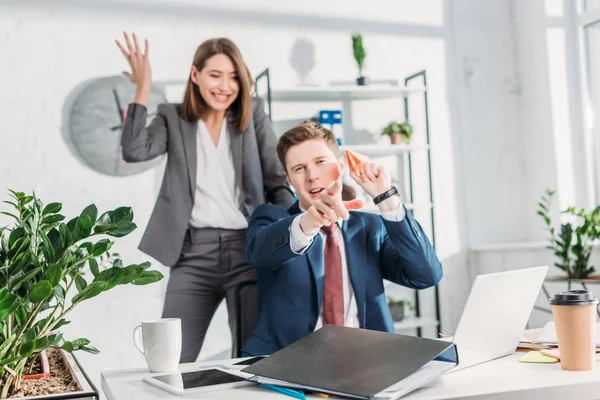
137,339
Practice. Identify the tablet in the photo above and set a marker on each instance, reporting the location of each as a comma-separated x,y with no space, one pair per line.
183,383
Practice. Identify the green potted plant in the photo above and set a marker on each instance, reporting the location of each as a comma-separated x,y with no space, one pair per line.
359,55
572,244
47,268
398,132
398,308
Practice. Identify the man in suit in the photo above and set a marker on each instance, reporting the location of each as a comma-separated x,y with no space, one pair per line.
320,263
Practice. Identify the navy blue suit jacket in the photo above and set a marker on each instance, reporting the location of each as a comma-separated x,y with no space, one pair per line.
290,285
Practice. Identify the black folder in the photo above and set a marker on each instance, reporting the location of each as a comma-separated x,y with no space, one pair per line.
356,363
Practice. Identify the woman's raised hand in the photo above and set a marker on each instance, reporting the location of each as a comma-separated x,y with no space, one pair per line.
140,74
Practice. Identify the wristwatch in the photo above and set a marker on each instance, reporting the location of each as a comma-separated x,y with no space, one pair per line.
393,191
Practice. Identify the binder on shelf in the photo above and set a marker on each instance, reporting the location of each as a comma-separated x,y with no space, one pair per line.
356,363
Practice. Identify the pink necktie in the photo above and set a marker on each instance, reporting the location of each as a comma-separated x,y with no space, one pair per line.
333,292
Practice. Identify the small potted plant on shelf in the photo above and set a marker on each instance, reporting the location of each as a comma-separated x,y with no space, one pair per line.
47,268
359,55
398,132
398,308
573,243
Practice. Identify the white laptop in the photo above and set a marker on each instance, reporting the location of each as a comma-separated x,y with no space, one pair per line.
496,315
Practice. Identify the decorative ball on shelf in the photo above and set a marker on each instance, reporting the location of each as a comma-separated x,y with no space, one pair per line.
302,59
93,117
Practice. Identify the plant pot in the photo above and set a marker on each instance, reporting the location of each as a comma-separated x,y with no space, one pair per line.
45,368
361,80
87,390
397,312
396,138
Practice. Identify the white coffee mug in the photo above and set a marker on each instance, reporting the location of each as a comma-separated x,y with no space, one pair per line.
160,343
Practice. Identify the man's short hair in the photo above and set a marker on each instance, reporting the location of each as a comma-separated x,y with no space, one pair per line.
308,130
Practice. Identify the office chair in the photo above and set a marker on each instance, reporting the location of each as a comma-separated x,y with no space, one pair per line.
244,288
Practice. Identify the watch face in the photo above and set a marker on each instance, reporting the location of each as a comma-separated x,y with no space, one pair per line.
94,116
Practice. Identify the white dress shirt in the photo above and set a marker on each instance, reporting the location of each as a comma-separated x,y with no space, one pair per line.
216,197
300,242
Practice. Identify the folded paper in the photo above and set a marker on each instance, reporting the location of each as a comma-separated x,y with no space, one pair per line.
354,159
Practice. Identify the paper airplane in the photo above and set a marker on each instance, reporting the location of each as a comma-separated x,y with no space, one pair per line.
354,159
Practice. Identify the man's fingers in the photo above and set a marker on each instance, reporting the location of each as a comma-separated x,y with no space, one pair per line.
375,169
329,212
319,217
353,204
335,188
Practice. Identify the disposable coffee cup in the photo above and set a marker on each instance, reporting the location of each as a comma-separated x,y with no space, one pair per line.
575,321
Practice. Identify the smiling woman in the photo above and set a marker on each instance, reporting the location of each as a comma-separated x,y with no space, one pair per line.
199,223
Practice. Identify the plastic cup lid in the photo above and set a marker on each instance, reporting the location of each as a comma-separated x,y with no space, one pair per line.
573,298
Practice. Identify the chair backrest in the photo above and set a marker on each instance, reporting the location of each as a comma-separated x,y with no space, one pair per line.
244,295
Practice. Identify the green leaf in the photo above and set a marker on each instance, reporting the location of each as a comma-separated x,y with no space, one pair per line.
50,219
54,274
6,344
49,251
27,349
56,241
40,291
59,292
92,212
131,272
10,215
61,323
26,199
112,276
66,235
68,347
20,262
104,223
52,208
8,304
122,214
93,267
146,264
101,247
80,342
118,263
25,278
88,246
123,228
148,277
17,195
89,349
12,204
83,227
92,290
20,315
81,283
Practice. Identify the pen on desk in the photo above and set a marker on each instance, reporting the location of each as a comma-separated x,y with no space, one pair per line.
298,394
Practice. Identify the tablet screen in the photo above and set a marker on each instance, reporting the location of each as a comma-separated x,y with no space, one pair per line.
196,379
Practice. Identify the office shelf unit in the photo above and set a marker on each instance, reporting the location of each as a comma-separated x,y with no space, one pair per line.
347,94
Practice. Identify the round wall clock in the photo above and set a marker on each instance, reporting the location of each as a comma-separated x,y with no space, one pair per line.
94,115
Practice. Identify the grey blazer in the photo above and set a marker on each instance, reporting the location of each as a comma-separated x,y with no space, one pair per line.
258,171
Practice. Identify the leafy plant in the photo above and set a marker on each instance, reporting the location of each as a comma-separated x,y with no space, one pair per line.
47,268
401,303
359,52
572,244
403,128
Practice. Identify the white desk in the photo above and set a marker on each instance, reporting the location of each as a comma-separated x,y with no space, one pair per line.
499,379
